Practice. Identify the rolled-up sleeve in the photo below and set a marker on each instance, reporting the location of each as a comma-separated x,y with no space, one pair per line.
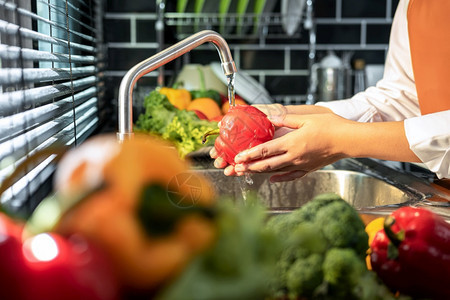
429,139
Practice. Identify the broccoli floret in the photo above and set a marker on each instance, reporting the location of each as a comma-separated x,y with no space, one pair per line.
309,211
308,239
304,276
283,226
342,269
347,277
300,242
342,227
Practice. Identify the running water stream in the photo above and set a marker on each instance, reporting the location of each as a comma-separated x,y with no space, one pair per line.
230,79
246,180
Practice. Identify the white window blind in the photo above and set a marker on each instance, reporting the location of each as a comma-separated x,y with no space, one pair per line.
50,87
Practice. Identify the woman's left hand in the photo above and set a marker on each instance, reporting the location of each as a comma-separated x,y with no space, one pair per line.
316,141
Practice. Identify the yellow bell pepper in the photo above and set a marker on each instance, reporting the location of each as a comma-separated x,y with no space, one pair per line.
371,229
180,98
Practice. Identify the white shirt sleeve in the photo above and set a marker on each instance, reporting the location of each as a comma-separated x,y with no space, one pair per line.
429,139
394,98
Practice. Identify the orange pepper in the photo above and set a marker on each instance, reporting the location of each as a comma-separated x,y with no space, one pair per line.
121,213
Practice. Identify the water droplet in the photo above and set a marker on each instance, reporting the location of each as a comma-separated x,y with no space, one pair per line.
248,179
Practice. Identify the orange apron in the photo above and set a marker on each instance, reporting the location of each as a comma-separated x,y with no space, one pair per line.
429,39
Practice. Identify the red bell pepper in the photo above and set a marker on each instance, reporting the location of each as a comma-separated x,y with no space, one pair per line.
412,253
49,266
13,273
243,127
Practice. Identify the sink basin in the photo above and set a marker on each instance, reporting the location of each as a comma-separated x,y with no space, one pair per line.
360,190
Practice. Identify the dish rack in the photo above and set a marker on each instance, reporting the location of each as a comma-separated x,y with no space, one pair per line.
255,30
231,25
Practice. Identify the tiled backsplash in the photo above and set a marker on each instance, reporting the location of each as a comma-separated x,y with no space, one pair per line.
279,63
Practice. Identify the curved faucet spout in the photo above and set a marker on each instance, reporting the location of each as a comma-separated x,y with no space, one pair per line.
162,58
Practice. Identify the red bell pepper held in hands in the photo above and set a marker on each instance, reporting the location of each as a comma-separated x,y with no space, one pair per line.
243,127
412,253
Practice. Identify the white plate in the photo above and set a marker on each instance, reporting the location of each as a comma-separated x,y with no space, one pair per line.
190,77
291,12
245,86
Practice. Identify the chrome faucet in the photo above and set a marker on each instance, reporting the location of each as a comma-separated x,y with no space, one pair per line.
160,59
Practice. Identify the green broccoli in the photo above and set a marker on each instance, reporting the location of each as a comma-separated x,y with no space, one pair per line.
342,269
304,276
283,225
308,239
342,226
325,226
309,211
300,240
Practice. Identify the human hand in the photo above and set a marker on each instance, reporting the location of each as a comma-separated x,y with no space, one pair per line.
316,141
271,110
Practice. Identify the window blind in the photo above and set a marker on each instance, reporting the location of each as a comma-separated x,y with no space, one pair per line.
51,86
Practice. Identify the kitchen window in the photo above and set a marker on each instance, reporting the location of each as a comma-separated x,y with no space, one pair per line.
51,89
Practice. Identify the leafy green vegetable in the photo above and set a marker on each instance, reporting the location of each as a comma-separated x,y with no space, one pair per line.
181,127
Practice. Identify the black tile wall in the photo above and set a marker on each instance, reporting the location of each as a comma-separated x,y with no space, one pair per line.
262,60
300,38
145,31
325,8
117,30
378,34
299,60
286,85
130,6
365,8
199,56
338,34
126,58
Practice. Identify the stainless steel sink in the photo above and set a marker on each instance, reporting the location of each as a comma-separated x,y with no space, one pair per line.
359,189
